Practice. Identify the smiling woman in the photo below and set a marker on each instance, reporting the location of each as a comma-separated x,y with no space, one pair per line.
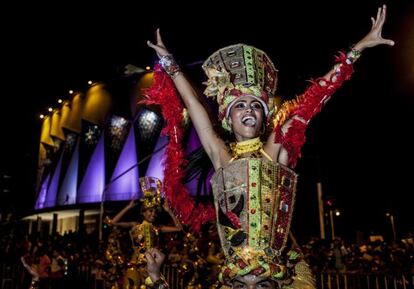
254,183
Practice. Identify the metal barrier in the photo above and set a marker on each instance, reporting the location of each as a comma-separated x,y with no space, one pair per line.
13,276
86,276
172,276
363,281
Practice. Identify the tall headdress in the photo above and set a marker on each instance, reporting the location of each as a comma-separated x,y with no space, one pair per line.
238,70
151,189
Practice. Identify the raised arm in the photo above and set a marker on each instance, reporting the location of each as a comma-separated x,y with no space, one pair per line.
169,229
213,145
115,220
30,269
372,39
285,142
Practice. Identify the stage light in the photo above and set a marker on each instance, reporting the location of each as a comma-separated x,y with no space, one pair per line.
148,122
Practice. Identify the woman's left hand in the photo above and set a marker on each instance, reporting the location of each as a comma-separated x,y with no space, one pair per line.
374,37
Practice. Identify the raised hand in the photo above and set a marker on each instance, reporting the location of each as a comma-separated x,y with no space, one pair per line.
374,37
132,203
155,259
159,47
166,206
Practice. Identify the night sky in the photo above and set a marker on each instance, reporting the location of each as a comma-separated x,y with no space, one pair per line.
360,147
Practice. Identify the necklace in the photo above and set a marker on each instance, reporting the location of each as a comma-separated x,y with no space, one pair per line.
247,146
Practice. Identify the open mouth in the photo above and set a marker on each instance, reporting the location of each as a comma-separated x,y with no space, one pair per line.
249,120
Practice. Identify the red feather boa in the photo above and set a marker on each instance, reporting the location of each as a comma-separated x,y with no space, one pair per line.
163,93
307,106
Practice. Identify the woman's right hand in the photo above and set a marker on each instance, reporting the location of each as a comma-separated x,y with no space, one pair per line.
159,47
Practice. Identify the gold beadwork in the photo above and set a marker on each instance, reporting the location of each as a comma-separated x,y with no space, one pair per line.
151,188
251,145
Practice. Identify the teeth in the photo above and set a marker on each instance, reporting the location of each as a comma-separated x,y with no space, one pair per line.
249,120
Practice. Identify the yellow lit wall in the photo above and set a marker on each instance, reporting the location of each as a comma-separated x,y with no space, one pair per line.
72,113
97,104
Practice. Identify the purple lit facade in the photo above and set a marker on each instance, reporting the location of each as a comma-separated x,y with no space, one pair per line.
123,184
40,203
52,190
124,181
102,144
156,165
93,183
68,190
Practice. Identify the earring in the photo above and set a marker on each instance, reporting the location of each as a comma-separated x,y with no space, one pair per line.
263,128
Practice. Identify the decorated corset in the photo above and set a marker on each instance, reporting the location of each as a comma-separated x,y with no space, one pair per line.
143,236
254,200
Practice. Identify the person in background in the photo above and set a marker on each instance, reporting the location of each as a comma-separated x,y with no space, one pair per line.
144,235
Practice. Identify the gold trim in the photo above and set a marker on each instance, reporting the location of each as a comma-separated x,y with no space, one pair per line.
248,146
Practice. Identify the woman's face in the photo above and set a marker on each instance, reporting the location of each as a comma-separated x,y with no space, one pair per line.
246,118
150,214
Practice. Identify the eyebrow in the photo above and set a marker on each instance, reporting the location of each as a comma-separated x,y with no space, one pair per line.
244,100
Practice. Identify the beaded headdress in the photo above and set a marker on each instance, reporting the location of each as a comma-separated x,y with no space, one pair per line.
151,189
240,70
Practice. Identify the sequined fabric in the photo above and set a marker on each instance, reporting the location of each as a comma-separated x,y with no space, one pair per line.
254,199
260,195
144,236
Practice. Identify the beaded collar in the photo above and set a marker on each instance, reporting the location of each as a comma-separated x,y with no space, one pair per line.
247,146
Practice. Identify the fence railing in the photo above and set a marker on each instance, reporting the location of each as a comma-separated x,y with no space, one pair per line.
364,281
14,276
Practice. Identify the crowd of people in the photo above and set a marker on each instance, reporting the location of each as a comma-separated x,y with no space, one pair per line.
66,260
47,261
